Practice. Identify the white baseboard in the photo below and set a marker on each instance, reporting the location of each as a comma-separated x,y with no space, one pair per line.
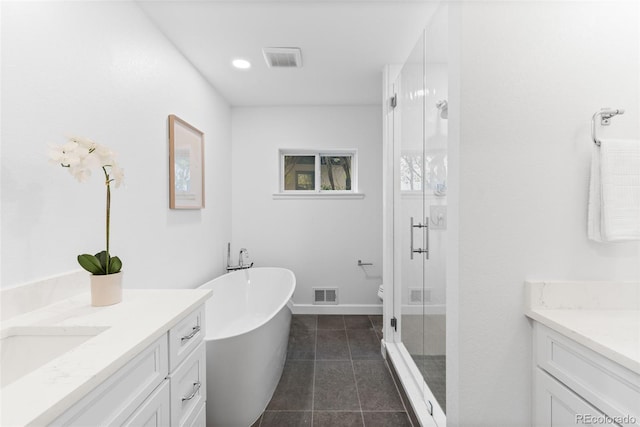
337,309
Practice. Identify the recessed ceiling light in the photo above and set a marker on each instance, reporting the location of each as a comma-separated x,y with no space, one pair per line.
241,64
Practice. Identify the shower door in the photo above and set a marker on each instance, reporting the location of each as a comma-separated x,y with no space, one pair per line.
420,218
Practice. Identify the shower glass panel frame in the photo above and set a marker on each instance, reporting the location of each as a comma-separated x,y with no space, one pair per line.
419,134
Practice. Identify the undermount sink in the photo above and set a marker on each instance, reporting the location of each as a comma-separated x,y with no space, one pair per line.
25,349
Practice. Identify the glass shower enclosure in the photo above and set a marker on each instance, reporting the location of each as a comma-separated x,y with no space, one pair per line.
417,118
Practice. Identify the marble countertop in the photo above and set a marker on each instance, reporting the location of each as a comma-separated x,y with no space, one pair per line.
129,327
614,334
604,317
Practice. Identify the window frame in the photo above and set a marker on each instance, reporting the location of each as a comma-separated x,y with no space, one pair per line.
318,191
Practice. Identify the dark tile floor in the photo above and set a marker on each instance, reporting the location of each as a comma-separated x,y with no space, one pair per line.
335,376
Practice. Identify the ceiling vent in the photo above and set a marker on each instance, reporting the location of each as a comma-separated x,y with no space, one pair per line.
283,57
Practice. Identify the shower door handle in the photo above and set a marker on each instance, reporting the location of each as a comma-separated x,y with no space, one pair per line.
424,251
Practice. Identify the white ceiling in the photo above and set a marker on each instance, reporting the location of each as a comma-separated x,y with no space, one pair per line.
345,45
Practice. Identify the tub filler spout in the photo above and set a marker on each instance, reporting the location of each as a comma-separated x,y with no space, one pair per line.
241,265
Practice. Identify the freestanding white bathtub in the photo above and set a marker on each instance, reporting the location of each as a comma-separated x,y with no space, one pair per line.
248,319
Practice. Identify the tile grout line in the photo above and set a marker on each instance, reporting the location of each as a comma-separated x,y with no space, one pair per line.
353,370
313,379
393,378
352,361
404,404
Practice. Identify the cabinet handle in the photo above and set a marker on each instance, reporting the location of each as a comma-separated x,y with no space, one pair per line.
193,333
196,387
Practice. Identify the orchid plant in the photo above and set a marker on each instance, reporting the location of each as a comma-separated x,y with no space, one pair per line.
80,156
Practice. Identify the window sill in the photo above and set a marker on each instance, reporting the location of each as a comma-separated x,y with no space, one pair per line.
290,196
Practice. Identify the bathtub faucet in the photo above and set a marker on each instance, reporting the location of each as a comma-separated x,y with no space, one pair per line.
241,265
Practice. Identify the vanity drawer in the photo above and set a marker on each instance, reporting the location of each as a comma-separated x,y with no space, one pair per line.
154,412
185,337
609,386
200,420
116,399
188,388
559,406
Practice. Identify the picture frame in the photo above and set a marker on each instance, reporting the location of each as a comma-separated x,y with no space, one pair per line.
186,165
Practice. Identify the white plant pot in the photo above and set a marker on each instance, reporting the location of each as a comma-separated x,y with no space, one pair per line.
106,289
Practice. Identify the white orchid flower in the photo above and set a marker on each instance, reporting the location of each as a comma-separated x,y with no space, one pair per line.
80,172
117,173
72,159
80,156
105,154
56,153
70,146
91,160
66,155
84,142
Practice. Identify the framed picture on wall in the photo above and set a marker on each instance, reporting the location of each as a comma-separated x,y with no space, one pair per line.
186,165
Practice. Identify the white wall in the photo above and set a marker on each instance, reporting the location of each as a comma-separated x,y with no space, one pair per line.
319,240
526,78
101,70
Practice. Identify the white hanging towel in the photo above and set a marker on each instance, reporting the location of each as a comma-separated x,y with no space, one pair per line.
614,191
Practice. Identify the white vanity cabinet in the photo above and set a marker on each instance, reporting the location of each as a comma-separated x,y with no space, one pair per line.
188,389
557,405
164,385
575,386
154,412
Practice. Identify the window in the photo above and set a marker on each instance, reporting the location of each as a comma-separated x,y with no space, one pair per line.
299,172
318,172
335,173
411,172
429,171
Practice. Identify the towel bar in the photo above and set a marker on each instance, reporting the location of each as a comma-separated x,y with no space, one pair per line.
605,119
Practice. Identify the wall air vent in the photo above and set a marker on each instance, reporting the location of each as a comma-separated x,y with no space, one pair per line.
325,296
419,296
282,57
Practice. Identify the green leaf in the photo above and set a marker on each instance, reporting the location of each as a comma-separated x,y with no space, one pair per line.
115,265
102,257
90,263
